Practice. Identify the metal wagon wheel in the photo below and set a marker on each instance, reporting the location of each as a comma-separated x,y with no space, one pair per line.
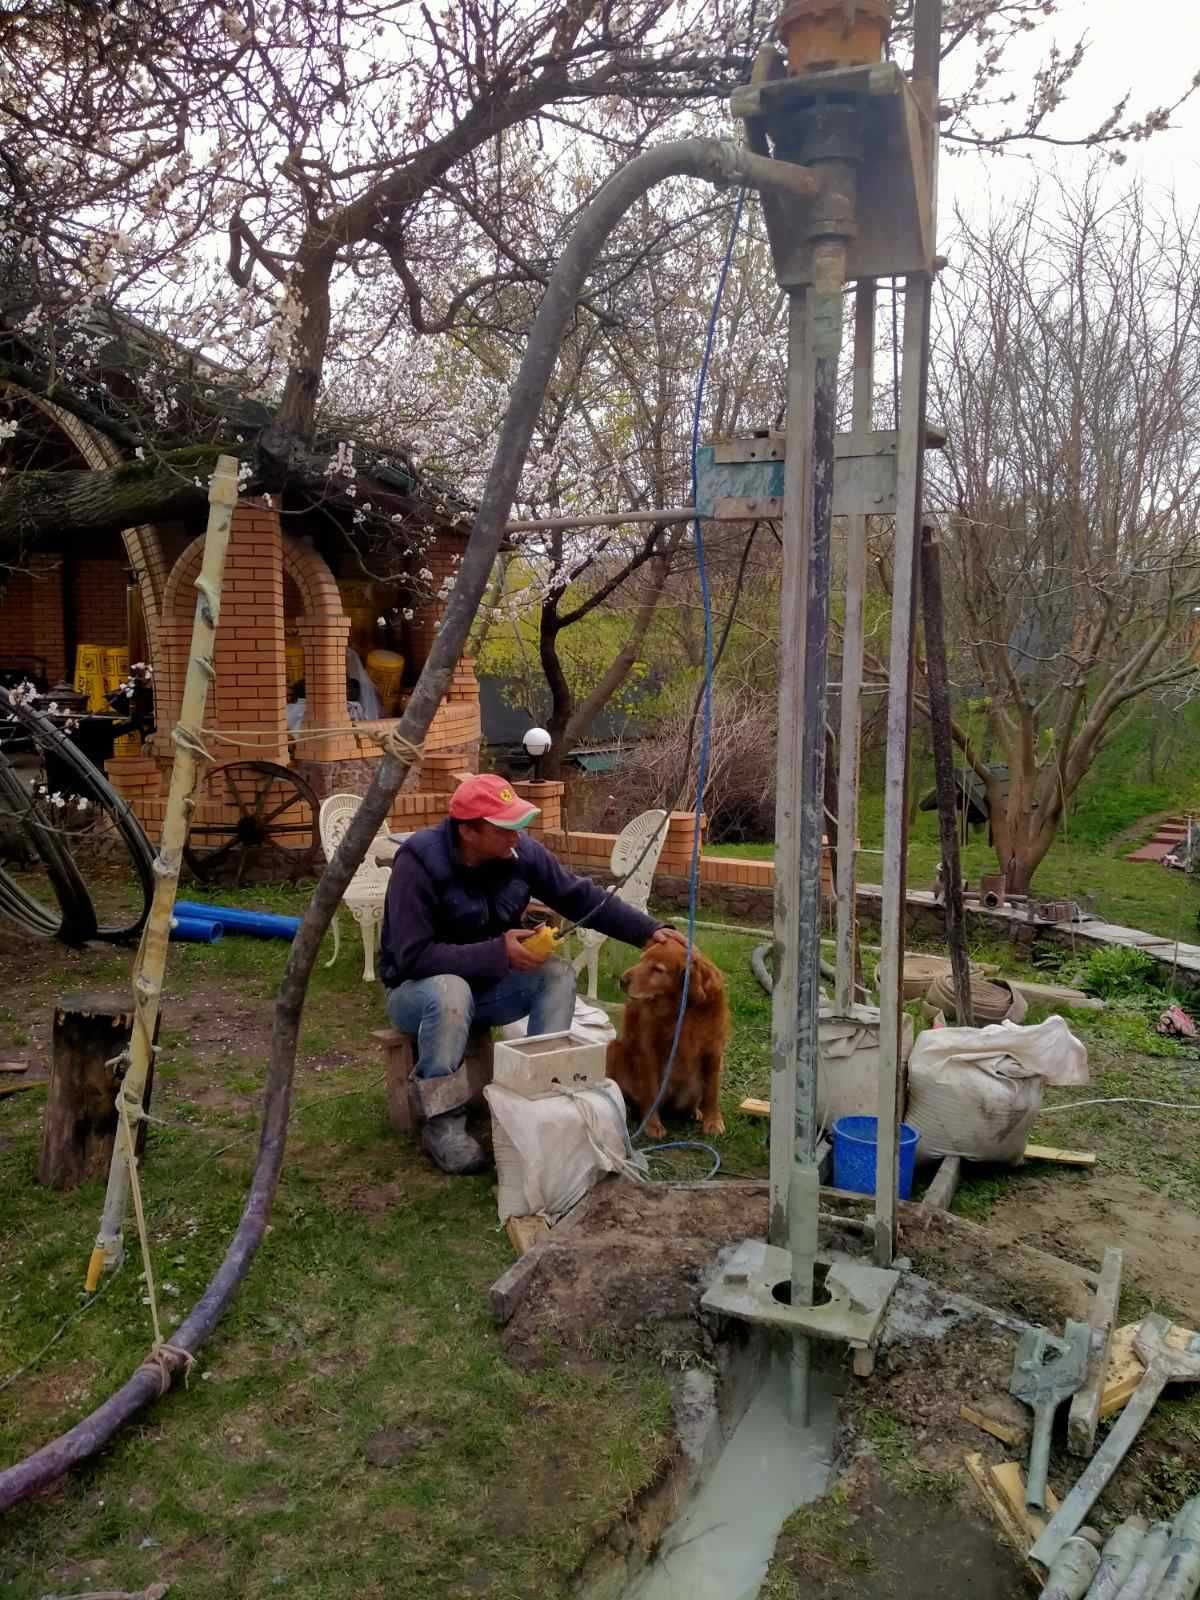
274,835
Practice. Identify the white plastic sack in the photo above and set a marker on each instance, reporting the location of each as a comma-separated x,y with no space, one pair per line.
589,1022
551,1148
975,1092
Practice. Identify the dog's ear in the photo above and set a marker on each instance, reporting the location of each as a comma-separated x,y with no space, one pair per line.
700,981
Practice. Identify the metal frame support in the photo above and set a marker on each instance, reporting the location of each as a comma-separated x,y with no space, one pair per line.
918,286
786,989
850,723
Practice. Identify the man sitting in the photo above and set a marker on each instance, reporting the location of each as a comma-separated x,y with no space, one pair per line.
454,950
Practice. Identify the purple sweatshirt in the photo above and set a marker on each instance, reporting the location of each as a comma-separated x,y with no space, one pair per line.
443,917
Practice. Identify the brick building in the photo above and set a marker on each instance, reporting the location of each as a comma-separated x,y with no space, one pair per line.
292,603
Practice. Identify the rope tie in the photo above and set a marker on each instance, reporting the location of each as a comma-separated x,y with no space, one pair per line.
393,743
159,1362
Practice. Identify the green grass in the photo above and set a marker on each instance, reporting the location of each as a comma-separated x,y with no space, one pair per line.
1130,893
365,1309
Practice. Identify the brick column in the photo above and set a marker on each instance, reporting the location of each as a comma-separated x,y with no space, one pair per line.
250,659
49,641
676,858
549,798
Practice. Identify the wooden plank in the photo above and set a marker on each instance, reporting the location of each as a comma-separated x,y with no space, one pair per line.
524,1232
506,1294
1013,1530
941,1191
990,1416
18,1088
1062,1158
755,1108
1125,1370
1010,1482
1085,1403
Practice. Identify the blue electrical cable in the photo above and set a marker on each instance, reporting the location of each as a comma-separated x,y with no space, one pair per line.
706,698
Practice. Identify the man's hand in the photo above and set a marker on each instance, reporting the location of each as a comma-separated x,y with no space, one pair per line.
519,958
662,935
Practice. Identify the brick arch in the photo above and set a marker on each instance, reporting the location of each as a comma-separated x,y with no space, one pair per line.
318,588
142,544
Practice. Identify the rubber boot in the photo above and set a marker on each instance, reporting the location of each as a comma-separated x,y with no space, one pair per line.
450,1147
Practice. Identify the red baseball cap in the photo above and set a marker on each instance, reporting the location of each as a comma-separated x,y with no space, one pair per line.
491,798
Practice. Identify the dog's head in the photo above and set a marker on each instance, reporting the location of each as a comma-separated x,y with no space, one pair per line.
658,974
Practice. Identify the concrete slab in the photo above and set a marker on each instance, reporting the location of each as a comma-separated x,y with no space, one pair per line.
858,1295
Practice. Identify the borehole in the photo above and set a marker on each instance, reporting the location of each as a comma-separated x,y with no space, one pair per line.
821,1295
721,1545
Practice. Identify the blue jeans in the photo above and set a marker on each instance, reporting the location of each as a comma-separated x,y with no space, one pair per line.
441,1011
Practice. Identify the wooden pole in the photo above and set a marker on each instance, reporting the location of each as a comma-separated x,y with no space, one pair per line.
850,724
91,1032
943,768
151,960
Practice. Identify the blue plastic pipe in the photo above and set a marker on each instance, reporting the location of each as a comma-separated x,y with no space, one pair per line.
196,930
254,924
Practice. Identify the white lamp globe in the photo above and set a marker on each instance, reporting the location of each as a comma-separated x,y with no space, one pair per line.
537,741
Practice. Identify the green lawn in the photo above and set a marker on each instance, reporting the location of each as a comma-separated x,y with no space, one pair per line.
365,1310
1134,894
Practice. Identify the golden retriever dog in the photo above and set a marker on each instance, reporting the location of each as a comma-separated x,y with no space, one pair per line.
636,1060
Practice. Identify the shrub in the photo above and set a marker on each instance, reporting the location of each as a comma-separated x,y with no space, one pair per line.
1120,973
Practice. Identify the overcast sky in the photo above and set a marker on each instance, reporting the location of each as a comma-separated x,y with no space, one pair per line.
1148,47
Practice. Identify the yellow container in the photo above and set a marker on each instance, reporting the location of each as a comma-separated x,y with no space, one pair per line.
834,33
116,666
294,656
386,671
89,675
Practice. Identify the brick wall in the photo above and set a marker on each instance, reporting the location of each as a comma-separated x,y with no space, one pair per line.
16,615
101,607
48,635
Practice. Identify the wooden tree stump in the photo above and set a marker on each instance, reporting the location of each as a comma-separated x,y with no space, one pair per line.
90,1030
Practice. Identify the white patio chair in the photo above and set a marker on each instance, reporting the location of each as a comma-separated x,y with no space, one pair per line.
632,840
367,889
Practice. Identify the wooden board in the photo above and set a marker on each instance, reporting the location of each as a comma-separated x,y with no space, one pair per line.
1125,1370
1063,1158
1010,1481
1033,1152
945,1182
992,1420
1012,1528
524,1232
1085,1403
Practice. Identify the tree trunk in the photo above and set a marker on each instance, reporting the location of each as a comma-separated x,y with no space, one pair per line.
561,699
622,663
36,505
90,1032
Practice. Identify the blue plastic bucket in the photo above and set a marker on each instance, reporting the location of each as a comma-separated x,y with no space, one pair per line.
854,1141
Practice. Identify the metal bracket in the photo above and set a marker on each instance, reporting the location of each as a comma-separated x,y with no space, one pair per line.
853,1314
740,479
894,211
